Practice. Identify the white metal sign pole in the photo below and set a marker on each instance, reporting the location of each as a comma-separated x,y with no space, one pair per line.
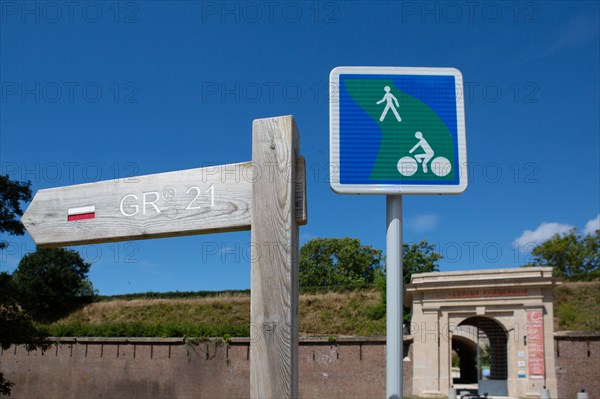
394,292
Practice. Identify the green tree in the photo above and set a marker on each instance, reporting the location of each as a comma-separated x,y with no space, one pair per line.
574,257
485,356
419,257
16,327
12,193
50,280
338,262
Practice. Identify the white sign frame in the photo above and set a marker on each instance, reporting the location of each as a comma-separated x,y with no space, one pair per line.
334,136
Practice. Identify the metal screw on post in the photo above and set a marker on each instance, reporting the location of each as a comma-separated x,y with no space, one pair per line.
545,394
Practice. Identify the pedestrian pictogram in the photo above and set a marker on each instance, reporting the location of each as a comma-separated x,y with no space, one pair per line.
388,98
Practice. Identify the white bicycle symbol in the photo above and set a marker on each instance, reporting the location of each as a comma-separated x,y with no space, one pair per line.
440,166
408,165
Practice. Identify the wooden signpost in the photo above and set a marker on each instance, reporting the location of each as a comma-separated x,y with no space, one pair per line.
266,195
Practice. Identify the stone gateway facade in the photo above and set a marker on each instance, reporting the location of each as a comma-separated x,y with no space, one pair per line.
500,319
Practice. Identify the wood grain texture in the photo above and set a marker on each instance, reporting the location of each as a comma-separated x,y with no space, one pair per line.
187,204
301,205
274,273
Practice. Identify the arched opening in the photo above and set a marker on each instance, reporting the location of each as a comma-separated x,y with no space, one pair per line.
466,351
482,349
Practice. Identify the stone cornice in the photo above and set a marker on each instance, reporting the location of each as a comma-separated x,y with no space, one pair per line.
530,277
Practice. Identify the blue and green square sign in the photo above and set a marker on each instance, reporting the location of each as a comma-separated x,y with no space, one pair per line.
397,131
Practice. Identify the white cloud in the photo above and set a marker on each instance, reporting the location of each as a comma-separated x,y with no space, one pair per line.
544,232
425,222
592,225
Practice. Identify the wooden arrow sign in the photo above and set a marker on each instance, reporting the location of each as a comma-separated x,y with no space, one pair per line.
268,194
195,201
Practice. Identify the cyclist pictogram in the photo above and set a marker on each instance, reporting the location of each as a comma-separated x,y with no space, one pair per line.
408,166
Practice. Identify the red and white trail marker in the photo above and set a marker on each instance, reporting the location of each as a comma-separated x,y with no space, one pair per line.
81,213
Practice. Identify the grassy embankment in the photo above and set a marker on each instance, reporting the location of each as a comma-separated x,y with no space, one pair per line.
577,307
227,314
218,315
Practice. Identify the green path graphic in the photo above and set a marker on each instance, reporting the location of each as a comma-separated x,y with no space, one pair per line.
397,138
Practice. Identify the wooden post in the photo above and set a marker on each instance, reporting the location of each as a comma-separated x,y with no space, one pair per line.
274,273
267,195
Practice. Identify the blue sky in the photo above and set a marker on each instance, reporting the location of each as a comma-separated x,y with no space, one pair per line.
98,90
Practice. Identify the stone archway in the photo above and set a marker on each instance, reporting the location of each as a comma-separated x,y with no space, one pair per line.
513,310
495,384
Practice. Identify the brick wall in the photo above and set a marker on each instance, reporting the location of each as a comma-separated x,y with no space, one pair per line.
170,368
577,356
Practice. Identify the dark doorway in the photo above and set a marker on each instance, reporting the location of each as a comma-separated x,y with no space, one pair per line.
466,350
490,347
